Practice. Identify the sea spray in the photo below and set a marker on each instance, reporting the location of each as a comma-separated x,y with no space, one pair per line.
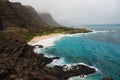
55,62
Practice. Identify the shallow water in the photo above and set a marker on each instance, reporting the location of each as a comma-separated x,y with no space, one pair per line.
100,49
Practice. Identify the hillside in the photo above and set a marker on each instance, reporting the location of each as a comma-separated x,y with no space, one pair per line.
15,16
48,19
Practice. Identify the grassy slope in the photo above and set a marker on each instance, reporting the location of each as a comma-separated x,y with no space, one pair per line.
27,35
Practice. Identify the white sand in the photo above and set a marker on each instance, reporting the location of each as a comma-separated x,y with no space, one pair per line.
45,40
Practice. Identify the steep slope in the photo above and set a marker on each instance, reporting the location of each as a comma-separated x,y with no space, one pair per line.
48,19
16,16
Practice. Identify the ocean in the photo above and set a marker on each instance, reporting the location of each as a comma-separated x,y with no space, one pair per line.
100,49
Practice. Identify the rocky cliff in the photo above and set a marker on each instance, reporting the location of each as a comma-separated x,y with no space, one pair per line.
15,16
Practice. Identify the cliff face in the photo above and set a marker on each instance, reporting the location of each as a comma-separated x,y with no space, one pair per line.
15,16
47,18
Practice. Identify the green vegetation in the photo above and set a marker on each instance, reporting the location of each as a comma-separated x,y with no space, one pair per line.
27,35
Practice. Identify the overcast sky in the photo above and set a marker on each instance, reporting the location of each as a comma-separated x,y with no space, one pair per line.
79,12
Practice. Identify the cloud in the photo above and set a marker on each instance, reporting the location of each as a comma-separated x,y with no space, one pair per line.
78,12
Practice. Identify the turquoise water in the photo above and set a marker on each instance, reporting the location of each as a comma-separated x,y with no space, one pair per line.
100,49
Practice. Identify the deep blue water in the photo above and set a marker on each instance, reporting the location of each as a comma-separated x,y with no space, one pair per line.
100,49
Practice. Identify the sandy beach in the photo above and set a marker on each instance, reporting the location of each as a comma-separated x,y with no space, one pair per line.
45,40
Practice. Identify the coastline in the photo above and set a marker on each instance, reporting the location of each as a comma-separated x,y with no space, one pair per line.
48,40
45,40
19,39
22,54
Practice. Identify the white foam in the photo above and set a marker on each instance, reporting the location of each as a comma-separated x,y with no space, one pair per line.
81,34
42,51
68,67
48,56
77,78
74,35
38,50
97,31
60,61
48,42
75,64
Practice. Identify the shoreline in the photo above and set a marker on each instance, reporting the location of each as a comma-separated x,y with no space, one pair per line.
45,40
40,40
49,40
35,62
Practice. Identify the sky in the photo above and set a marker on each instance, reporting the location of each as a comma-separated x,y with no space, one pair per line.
78,12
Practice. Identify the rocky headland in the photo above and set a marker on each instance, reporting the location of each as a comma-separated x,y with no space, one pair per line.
19,62
18,24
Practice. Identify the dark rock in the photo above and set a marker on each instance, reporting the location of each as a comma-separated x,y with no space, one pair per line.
40,46
56,58
48,79
1,26
1,50
16,40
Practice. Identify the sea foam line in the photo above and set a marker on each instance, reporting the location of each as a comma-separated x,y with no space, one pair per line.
49,41
82,34
68,67
62,62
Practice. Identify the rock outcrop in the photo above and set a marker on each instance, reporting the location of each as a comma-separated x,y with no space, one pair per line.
18,61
